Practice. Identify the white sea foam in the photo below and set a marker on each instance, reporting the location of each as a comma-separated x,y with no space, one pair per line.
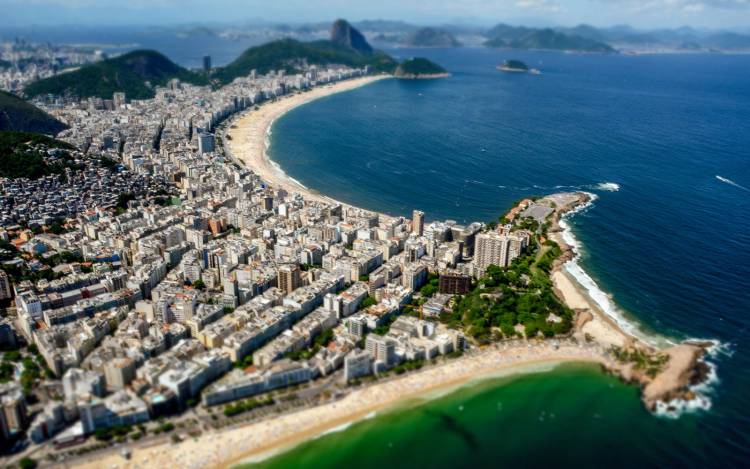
607,186
602,299
346,425
675,407
297,182
731,183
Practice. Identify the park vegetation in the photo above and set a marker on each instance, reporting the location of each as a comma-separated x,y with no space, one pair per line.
520,295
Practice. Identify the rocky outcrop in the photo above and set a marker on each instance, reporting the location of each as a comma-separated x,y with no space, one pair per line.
682,370
344,34
663,375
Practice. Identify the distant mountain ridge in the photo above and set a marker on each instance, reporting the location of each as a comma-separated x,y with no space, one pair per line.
136,74
521,37
431,37
20,116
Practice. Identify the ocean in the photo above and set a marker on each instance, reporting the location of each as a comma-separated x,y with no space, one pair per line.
663,142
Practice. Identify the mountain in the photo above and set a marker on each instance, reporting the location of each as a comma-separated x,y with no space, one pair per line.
419,67
291,55
684,39
521,37
431,37
344,34
136,74
18,115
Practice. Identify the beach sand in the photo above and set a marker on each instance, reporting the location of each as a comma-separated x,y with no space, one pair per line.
249,133
224,448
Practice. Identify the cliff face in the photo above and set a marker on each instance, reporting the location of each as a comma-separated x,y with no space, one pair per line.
344,34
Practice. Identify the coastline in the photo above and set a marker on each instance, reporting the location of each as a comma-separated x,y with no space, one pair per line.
249,134
263,438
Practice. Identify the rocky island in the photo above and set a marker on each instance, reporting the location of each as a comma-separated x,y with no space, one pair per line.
516,66
419,68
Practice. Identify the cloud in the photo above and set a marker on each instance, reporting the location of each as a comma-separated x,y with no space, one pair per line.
691,6
544,6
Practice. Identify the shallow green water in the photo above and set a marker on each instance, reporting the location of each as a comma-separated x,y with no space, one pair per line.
573,414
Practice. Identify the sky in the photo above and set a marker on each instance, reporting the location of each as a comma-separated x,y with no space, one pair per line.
639,13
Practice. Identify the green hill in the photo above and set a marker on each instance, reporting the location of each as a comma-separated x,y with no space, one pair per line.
291,55
17,114
530,38
431,37
136,73
418,67
22,155
514,65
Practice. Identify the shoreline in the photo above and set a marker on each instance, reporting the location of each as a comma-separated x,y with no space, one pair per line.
250,131
265,438
269,436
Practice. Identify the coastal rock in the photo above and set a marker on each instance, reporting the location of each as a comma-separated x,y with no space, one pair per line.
663,375
674,380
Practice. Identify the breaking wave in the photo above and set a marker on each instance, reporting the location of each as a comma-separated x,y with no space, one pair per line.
732,183
676,407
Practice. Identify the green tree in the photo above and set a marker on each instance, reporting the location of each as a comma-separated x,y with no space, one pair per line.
27,463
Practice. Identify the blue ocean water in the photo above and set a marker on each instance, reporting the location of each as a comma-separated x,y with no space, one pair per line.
663,140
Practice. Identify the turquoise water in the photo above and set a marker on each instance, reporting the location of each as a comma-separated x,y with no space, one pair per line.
666,239
572,415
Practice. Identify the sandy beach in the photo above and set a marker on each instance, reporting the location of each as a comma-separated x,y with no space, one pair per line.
218,449
249,132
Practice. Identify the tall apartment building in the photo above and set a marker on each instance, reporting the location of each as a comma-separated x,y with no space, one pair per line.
454,283
417,222
206,143
13,413
289,278
6,291
118,99
493,248
381,348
